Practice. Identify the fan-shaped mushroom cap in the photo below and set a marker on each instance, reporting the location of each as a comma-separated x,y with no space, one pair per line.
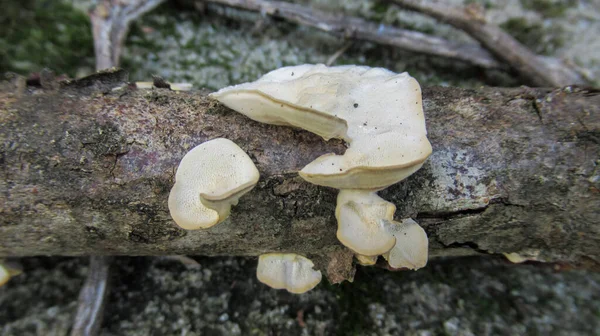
209,180
287,96
411,249
377,111
288,271
359,215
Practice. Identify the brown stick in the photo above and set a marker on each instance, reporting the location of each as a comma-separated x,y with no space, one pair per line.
538,70
88,169
359,29
110,23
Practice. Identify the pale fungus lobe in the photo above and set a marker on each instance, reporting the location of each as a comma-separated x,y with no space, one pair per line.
366,260
360,216
288,271
411,248
8,270
378,112
209,180
4,275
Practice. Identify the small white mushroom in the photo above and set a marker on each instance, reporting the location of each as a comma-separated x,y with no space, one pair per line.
522,256
288,271
359,215
209,180
411,248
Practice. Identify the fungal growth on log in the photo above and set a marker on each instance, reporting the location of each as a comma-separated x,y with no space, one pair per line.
410,250
209,180
380,115
377,112
360,227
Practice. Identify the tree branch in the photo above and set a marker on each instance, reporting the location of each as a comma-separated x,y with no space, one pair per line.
110,24
87,170
540,71
359,29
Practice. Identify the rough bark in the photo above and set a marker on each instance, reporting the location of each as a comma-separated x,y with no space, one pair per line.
87,170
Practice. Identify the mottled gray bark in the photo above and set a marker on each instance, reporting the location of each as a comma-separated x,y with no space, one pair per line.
87,170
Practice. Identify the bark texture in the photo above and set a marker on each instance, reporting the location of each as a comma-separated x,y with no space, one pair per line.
87,169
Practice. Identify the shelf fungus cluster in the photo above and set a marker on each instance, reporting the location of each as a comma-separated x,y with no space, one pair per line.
380,115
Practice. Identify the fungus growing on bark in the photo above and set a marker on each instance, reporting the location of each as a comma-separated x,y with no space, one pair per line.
410,250
209,180
522,256
379,114
360,227
288,271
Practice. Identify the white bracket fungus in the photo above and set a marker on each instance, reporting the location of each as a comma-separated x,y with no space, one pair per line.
360,216
411,246
288,271
209,180
378,112
380,115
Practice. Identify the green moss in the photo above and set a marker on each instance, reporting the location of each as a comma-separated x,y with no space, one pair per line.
541,40
44,33
549,8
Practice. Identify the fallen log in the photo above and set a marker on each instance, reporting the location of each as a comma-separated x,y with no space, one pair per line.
87,166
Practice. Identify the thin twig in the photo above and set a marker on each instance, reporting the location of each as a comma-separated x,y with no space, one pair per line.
359,29
541,71
110,23
92,298
188,262
338,53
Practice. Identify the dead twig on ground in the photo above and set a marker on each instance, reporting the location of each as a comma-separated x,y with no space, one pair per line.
338,53
92,298
540,71
359,29
110,23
